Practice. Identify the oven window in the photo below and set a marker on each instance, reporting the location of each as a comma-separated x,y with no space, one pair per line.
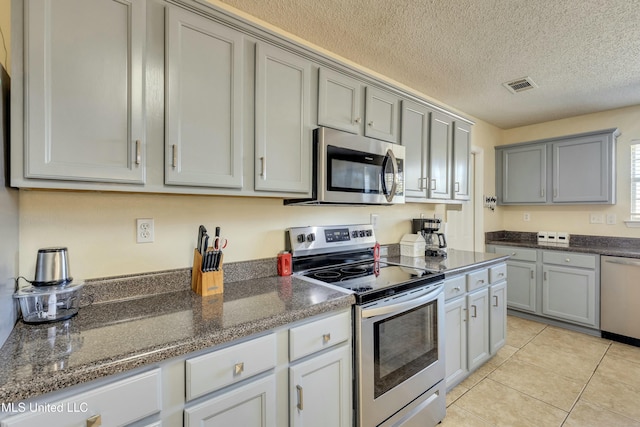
404,345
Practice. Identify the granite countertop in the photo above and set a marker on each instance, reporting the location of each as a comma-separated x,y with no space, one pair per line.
599,245
456,262
110,337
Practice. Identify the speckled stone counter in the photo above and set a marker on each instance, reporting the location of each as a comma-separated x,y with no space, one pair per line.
135,321
456,262
600,245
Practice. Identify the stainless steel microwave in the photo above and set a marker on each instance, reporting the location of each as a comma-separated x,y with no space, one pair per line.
350,169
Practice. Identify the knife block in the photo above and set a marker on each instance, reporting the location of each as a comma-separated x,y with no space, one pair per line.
206,283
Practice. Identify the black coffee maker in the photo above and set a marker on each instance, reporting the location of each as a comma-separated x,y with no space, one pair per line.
428,228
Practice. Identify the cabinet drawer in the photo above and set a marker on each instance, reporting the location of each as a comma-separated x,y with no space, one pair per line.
220,368
455,286
115,404
569,259
497,273
477,279
315,336
519,254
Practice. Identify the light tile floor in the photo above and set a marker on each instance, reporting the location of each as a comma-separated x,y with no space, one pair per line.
548,376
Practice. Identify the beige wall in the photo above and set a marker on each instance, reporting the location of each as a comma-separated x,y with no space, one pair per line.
575,219
5,21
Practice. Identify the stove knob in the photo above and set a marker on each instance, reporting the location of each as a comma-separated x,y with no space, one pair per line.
311,237
361,233
301,238
369,233
354,234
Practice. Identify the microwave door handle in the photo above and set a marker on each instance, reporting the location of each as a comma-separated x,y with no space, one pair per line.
390,157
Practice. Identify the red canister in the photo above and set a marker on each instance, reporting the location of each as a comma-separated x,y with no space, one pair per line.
284,264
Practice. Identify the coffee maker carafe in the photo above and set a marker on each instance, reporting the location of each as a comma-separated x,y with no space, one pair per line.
436,242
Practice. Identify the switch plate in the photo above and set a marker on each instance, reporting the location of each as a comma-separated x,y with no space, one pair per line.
144,230
611,219
374,221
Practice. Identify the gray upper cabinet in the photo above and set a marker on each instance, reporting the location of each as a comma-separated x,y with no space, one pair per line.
203,117
523,174
339,101
583,170
575,169
283,129
415,138
340,107
382,115
84,95
440,156
461,159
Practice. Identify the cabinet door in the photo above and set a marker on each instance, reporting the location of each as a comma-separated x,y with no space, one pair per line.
521,293
283,127
339,99
455,313
203,102
252,405
415,138
582,170
498,316
85,94
440,148
569,294
524,174
461,157
478,328
320,390
383,110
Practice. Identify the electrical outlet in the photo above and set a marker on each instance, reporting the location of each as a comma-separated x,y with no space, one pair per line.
374,221
144,230
526,216
596,218
611,219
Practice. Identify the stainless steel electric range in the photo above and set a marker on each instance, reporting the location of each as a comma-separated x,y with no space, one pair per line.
398,323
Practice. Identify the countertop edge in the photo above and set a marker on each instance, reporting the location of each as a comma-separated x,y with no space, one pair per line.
596,250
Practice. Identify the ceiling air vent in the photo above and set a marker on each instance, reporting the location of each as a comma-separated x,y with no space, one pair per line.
520,85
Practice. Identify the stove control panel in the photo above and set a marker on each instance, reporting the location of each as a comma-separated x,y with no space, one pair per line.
327,239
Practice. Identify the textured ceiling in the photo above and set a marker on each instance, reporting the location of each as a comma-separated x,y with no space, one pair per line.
584,55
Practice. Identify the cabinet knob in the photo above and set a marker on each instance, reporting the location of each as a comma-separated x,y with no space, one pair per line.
567,260
238,368
371,123
326,338
457,289
95,421
357,120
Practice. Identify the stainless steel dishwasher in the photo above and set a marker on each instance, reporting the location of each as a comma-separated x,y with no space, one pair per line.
620,299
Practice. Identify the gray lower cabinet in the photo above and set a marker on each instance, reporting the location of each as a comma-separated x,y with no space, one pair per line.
567,287
116,403
575,169
475,320
84,103
203,98
283,129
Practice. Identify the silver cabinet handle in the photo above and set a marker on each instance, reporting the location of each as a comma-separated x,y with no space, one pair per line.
623,262
433,184
138,152
457,187
326,338
238,368
371,123
300,404
174,156
95,421
532,274
496,300
422,183
263,167
542,192
475,311
357,120
545,275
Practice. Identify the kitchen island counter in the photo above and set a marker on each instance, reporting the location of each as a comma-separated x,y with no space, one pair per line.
111,337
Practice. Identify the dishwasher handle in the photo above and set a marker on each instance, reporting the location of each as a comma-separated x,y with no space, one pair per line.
623,262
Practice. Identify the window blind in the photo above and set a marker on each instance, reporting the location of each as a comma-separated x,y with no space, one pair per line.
635,179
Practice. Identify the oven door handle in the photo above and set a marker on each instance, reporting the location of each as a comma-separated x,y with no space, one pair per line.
428,296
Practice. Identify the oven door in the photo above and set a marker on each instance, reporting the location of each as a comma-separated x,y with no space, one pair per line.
399,352
357,170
